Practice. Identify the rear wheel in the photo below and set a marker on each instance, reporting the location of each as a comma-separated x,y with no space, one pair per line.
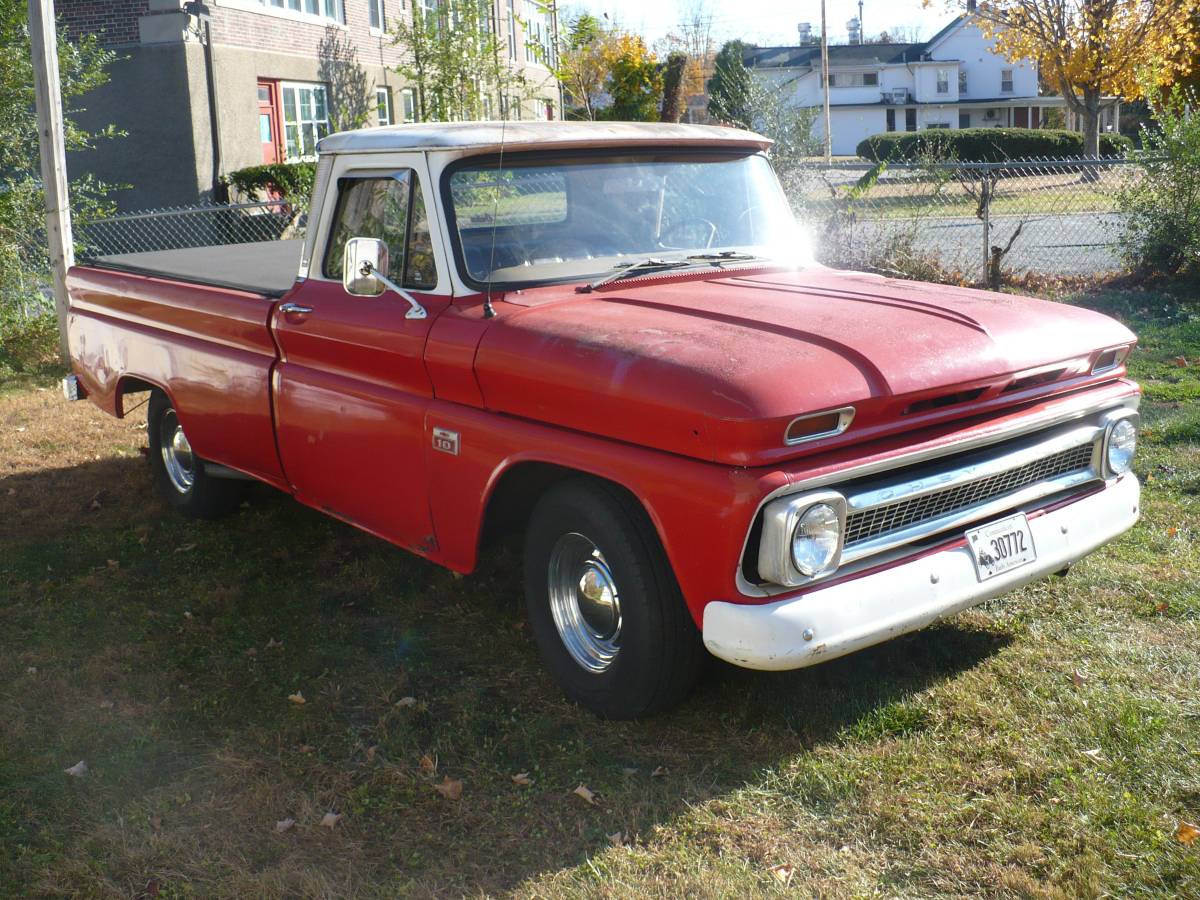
179,473
604,605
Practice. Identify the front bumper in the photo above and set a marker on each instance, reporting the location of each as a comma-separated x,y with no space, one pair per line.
829,622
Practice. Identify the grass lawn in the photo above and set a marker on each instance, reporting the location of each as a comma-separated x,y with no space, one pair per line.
1043,745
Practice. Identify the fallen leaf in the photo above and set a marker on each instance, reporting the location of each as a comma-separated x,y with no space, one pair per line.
250,651
284,825
106,704
617,839
660,772
371,754
21,430
450,788
273,644
1181,362
297,698
113,564
1187,833
1095,753
32,670
1161,608
330,819
12,492
95,504
406,701
783,873
185,548
1171,532
306,748
629,771
586,793
78,770
187,614
156,823
522,778
1079,678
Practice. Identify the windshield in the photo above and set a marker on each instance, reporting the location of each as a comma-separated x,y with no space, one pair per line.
538,220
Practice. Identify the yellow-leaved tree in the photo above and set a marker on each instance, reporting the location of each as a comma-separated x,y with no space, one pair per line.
1087,49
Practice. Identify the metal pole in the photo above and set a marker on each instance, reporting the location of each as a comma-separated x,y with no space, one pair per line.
825,82
43,40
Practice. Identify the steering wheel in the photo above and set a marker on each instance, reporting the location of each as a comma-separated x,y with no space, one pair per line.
664,239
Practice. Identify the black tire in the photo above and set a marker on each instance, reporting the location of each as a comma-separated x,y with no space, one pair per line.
658,649
204,497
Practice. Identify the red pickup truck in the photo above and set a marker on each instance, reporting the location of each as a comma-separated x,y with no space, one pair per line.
612,338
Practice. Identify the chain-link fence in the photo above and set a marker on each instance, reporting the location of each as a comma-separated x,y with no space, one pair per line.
191,226
974,222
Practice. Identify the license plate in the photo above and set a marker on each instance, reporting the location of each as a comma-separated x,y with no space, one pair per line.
1001,546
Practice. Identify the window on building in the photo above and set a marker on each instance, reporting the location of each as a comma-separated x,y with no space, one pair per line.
391,210
539,36
408,105
853,79
891,120
512,29
962,81
327,9
1006,81
383,105
305,118
964,120
510,107
910,120
376,13
943,81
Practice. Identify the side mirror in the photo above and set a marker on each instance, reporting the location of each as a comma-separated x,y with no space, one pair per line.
364,274
362,263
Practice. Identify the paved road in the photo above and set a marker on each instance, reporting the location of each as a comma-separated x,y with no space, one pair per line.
1070,244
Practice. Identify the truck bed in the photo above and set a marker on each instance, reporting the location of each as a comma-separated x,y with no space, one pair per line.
267,268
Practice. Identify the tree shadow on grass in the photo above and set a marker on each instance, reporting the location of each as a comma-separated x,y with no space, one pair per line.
202,630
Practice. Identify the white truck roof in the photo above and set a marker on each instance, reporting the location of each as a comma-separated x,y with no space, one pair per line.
519,135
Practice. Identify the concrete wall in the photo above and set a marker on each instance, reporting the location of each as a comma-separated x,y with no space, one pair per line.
156,96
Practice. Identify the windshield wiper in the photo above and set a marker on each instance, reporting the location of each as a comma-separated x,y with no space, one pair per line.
624,270
723,256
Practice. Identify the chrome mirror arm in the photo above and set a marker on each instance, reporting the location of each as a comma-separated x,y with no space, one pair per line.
415,309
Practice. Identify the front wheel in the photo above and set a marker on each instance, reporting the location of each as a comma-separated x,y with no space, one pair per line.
179,473
604,605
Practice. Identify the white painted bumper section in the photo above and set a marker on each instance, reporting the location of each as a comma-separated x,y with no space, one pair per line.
864,611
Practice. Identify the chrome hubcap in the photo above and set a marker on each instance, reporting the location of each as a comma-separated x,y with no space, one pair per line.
177,454
584,602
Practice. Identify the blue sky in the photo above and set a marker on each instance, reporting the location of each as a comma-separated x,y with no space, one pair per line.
771,21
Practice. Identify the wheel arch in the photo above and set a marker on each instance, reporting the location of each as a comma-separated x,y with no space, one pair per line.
133,384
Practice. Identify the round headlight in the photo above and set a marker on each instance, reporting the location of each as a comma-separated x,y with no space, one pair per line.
1122,442
816,538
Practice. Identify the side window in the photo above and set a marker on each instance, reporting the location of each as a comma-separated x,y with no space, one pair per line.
392,210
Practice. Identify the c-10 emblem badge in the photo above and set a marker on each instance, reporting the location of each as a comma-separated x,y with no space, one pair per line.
446,441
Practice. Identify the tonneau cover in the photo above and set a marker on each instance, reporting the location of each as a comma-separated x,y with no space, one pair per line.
268,267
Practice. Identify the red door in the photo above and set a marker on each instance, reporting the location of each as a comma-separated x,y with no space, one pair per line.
269,130
351,389
1021,117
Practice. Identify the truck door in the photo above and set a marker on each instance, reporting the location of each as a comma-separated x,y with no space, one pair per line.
351,389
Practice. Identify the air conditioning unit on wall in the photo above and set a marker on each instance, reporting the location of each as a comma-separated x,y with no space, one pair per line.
899,95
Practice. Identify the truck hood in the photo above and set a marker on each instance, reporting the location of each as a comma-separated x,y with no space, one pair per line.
716,366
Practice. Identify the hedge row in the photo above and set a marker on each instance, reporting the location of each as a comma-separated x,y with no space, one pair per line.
293,181
985,144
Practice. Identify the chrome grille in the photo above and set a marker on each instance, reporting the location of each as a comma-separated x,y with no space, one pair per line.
879,520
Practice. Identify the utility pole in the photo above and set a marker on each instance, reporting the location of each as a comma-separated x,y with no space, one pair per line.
43,39
825,82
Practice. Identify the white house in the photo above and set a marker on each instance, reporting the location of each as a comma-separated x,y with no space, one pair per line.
954,80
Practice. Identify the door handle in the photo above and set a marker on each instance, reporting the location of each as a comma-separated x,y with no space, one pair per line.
286,308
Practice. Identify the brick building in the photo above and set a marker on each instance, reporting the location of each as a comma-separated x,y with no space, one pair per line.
205,88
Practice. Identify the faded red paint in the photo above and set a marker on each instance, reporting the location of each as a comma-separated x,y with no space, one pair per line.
677,388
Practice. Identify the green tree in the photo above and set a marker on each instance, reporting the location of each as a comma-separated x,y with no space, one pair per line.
635,81
730,86
583,65
24,261
453,58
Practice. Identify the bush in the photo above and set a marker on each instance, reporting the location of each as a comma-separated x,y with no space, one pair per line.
292,181
985,144
1161,230
28,344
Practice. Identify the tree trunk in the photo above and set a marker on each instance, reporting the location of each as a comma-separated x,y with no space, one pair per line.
1091,123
